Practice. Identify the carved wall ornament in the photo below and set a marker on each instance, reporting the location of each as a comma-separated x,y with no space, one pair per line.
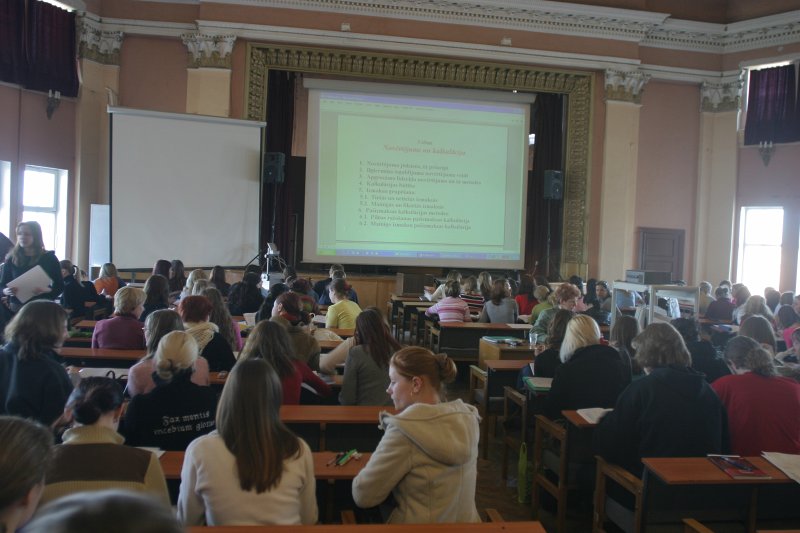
721,95
625,86
578,86
97,44
212,51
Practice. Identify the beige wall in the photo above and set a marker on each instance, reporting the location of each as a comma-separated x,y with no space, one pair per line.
667,169
153,74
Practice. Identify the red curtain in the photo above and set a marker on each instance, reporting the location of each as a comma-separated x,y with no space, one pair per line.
38,46
772,112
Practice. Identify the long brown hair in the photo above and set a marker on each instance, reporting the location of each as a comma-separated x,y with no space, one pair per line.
372,332
17,254
37,328
221,316
248,419
270,341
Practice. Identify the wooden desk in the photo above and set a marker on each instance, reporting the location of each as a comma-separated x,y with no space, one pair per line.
577,420
327,346
86,324
101,354
172,463
405,313
342,332
463,338
482,527
699,471
334,427
495,351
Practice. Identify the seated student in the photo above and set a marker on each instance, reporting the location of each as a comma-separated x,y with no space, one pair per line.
108,282
265,311
705,297
366,371
194,276
704,356
308,298
227,327
122,331
269,341
252,470
140,375
156,291
27,447
427,458
195,312
471,294
343,312
92,456
787,321
501,308
32,383
161,268
177,411
288,313
245,296
740,296
525,298
722,308
542,294
321,287
439,293
485,284
326,299
755,305
217,278
566,296
792,355
592,375
670,412
451,308
759,328
763,408
625,329
547,362
106,510
177,277
77,296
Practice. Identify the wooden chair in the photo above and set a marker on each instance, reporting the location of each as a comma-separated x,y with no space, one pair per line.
690,525
486,392
515,410
605,507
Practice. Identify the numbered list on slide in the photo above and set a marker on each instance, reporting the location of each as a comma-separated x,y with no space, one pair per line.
439,186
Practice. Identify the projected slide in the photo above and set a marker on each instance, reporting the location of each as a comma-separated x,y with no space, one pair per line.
409,178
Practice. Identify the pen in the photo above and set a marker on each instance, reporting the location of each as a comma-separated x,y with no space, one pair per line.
343,461
335,459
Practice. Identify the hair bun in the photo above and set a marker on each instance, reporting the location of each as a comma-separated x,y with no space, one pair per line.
447,368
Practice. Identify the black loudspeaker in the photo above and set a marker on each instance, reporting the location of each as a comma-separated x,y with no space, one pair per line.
553,185
274,163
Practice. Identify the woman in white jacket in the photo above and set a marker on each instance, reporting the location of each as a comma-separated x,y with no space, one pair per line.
427,458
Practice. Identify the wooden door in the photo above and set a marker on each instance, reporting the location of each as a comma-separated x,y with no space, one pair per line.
661,250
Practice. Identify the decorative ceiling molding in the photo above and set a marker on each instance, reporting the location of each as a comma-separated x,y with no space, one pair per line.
97,43
209,51
650,29
722,94
625,86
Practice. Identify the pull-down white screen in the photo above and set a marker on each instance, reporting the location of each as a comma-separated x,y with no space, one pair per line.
406,175
185,187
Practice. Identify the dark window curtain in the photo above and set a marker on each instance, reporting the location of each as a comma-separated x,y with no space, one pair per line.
277,199
772,106
12,24
38,46
548,124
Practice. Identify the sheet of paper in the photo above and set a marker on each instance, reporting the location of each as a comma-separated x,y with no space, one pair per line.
27,283
789,464
593,414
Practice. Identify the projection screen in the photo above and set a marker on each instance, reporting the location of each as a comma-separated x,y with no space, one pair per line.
183,187
410,175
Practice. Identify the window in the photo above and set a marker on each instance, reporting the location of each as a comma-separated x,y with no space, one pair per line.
44,199
760,240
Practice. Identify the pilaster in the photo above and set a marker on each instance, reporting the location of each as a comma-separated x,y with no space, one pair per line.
208,90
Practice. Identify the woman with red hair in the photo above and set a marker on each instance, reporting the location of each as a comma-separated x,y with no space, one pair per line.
195,312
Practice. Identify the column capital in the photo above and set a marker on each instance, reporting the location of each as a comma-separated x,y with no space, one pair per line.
722,94
97,44
209,50
625,85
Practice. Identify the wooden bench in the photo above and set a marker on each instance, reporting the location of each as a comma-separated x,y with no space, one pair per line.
460,340
336,427
482,527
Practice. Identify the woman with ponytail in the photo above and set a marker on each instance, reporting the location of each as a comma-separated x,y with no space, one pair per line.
77,296
101,461
427,458
763,407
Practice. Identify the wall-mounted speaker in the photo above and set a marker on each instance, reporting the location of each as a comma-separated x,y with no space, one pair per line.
274,163
553,185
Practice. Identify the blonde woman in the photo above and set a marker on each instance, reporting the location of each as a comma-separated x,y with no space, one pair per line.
194,276
592,374
108,282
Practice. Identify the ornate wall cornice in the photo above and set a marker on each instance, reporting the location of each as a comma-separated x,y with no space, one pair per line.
721,95
428,70
625,85
212,51
97,43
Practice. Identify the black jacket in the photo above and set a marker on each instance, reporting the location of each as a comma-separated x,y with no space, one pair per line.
49,263
35,388
76,294
170,416
706,361
593,377
672,412
219,354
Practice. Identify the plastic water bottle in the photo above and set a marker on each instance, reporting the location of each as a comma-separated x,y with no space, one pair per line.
532,337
